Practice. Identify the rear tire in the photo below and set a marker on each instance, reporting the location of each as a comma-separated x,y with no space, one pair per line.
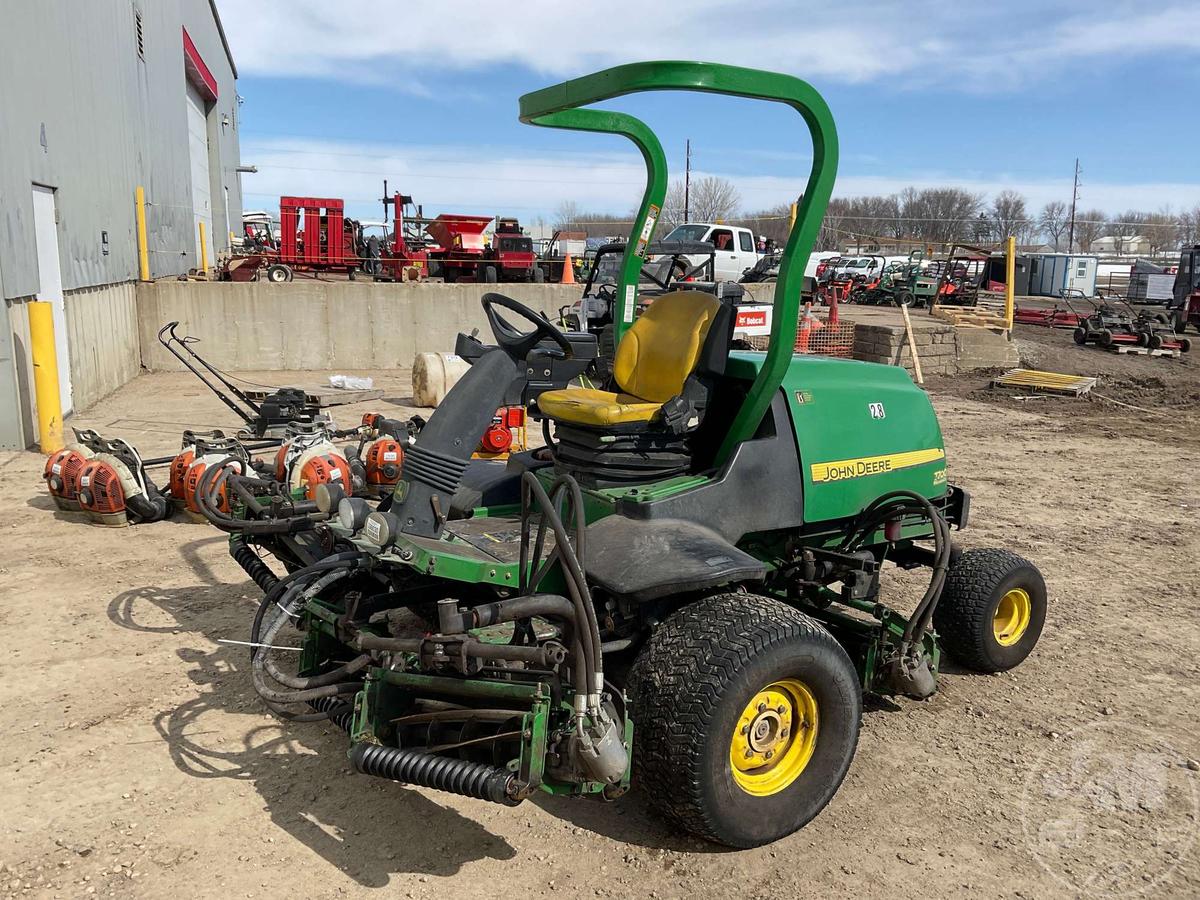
991,611
278,273
1080,336
489,274
695,694
1185,345
1154,342
1106,338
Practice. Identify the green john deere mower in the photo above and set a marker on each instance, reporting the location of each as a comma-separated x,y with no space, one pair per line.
682,590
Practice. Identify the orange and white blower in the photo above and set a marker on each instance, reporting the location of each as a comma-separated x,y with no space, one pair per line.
201,451
112,486
381,447
308,458
62,475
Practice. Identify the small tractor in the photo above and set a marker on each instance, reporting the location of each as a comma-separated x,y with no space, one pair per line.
682,592
1185,294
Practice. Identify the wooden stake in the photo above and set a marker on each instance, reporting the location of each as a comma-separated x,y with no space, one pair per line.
912,343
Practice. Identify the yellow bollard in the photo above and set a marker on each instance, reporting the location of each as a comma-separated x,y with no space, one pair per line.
45,376
203,250
143,248
1010,275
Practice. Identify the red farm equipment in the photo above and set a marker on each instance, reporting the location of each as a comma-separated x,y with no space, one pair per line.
314,236
464,254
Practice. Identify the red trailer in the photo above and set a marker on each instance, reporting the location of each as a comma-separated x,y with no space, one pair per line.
314,236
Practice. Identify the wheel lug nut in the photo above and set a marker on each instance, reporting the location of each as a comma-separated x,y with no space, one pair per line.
745,729
781,709
749,753
769,754
762,707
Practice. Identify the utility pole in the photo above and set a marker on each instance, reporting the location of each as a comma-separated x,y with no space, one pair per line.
1074,201
687,178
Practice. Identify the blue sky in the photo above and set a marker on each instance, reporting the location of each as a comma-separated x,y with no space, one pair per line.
981,95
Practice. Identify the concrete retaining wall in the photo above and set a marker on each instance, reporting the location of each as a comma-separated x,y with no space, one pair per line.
102,331
887,344
982,348
322,325
943,348
102,327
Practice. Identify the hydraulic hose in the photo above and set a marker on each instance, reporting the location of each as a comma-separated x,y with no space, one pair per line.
589,661
258,669
893,505
276,593
206,498
299,682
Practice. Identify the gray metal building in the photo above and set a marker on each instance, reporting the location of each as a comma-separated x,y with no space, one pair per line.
96,99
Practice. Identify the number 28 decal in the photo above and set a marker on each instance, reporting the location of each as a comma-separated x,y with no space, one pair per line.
877,411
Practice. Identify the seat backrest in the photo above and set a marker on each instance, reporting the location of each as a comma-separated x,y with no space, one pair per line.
661,349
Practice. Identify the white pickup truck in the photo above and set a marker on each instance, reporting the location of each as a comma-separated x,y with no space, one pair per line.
736,248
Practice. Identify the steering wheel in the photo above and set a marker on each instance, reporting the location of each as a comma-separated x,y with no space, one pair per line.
517,344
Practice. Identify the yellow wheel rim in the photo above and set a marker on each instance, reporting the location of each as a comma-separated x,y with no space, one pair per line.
1011,620
773,738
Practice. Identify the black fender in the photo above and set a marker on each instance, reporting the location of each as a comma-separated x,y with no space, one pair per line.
645,560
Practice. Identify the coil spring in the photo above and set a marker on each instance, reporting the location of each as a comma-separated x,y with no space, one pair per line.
258,570
457,776
342,720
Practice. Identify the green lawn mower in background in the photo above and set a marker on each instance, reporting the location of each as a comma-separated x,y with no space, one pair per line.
682,591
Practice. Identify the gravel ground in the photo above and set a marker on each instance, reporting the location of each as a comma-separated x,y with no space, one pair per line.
135,759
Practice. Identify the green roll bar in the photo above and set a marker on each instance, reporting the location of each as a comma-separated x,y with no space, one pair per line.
558,106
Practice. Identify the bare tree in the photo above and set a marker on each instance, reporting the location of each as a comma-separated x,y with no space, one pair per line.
672,210
709,199
1189,227
1009,218
1161,230
939,215
1089,225
1122,228
1053,221
771,223
713,198
566,215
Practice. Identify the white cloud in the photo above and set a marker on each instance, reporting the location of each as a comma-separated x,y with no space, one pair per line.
975,44
510,180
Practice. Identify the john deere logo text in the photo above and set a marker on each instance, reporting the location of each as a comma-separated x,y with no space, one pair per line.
842,469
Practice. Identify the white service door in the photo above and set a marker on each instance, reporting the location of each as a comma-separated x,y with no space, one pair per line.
45,232
201,189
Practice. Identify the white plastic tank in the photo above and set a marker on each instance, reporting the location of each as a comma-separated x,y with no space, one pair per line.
433,374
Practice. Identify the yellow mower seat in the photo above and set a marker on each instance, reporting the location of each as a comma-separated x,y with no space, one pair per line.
653,360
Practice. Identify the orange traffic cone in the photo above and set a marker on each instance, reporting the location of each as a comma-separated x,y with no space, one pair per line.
568,275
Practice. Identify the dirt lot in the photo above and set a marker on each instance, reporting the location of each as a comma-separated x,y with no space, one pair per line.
136,761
